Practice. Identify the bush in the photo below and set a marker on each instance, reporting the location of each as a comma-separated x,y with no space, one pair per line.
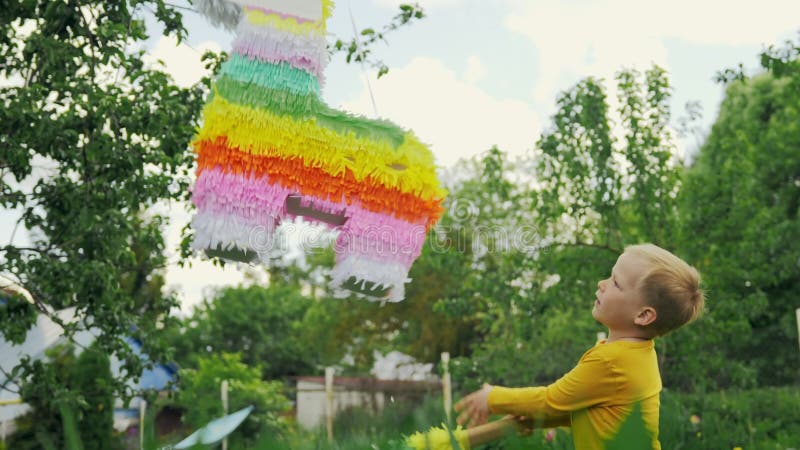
68,389
199,395
93,380
762,418
363,428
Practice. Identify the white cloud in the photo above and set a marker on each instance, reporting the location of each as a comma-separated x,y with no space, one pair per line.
701,22
180,61
456,118
476,71
577,39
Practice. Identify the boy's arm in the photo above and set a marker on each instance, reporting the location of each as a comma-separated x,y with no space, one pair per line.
553,422
591,382
548,422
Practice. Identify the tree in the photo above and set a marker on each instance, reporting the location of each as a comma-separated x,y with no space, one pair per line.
517,255
47,391
93,381
90,140
263,325
101,139
586,196
741,226
433,318
360,52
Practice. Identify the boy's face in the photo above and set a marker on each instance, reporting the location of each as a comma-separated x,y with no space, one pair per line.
618,300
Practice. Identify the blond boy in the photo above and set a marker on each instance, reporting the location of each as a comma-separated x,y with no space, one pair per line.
649,293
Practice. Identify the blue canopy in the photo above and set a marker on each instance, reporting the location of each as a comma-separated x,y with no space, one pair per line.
157,378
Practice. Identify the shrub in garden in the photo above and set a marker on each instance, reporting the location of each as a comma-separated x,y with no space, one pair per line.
93,380
762,418
199,396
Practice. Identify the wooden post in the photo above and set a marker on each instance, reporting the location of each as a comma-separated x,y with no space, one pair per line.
142,409
447,393
224,393
797,311
329,401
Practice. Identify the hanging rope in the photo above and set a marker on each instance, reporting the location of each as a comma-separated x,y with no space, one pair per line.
363,71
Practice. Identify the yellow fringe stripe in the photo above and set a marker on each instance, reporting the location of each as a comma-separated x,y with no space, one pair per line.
288,25
260,132
327,10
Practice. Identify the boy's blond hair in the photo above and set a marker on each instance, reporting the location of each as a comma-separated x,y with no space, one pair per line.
669,285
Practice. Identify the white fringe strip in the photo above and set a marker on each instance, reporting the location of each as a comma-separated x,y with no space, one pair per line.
228,232
385,275
231,232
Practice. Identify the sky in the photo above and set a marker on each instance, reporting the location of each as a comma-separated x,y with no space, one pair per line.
478,73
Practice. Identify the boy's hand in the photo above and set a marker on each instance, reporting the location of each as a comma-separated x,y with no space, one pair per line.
474,408
525,425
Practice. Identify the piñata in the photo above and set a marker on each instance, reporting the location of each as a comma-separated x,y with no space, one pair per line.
270,150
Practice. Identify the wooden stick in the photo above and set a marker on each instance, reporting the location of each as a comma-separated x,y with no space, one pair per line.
224,395
142,408
329,371
491,431
798,324
447,391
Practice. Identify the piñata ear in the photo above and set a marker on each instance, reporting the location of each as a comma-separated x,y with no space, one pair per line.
219,12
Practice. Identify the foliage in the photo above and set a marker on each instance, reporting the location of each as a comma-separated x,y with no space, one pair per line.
265,325
17,313
359,49
414,326
92,379
723,420
91,139
522,243
59,385
357,428
741,226
45,391
199,395
584,196
762,418
632,434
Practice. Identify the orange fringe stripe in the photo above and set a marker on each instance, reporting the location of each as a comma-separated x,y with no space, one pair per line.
317,182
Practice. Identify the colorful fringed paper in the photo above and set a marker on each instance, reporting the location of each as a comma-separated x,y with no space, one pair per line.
439,439
270,150
464,438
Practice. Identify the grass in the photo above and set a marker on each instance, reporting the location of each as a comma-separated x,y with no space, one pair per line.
758,419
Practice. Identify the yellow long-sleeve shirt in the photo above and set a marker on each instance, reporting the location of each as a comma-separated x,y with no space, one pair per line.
595,397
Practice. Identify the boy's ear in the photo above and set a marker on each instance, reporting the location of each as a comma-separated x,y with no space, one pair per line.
646,316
